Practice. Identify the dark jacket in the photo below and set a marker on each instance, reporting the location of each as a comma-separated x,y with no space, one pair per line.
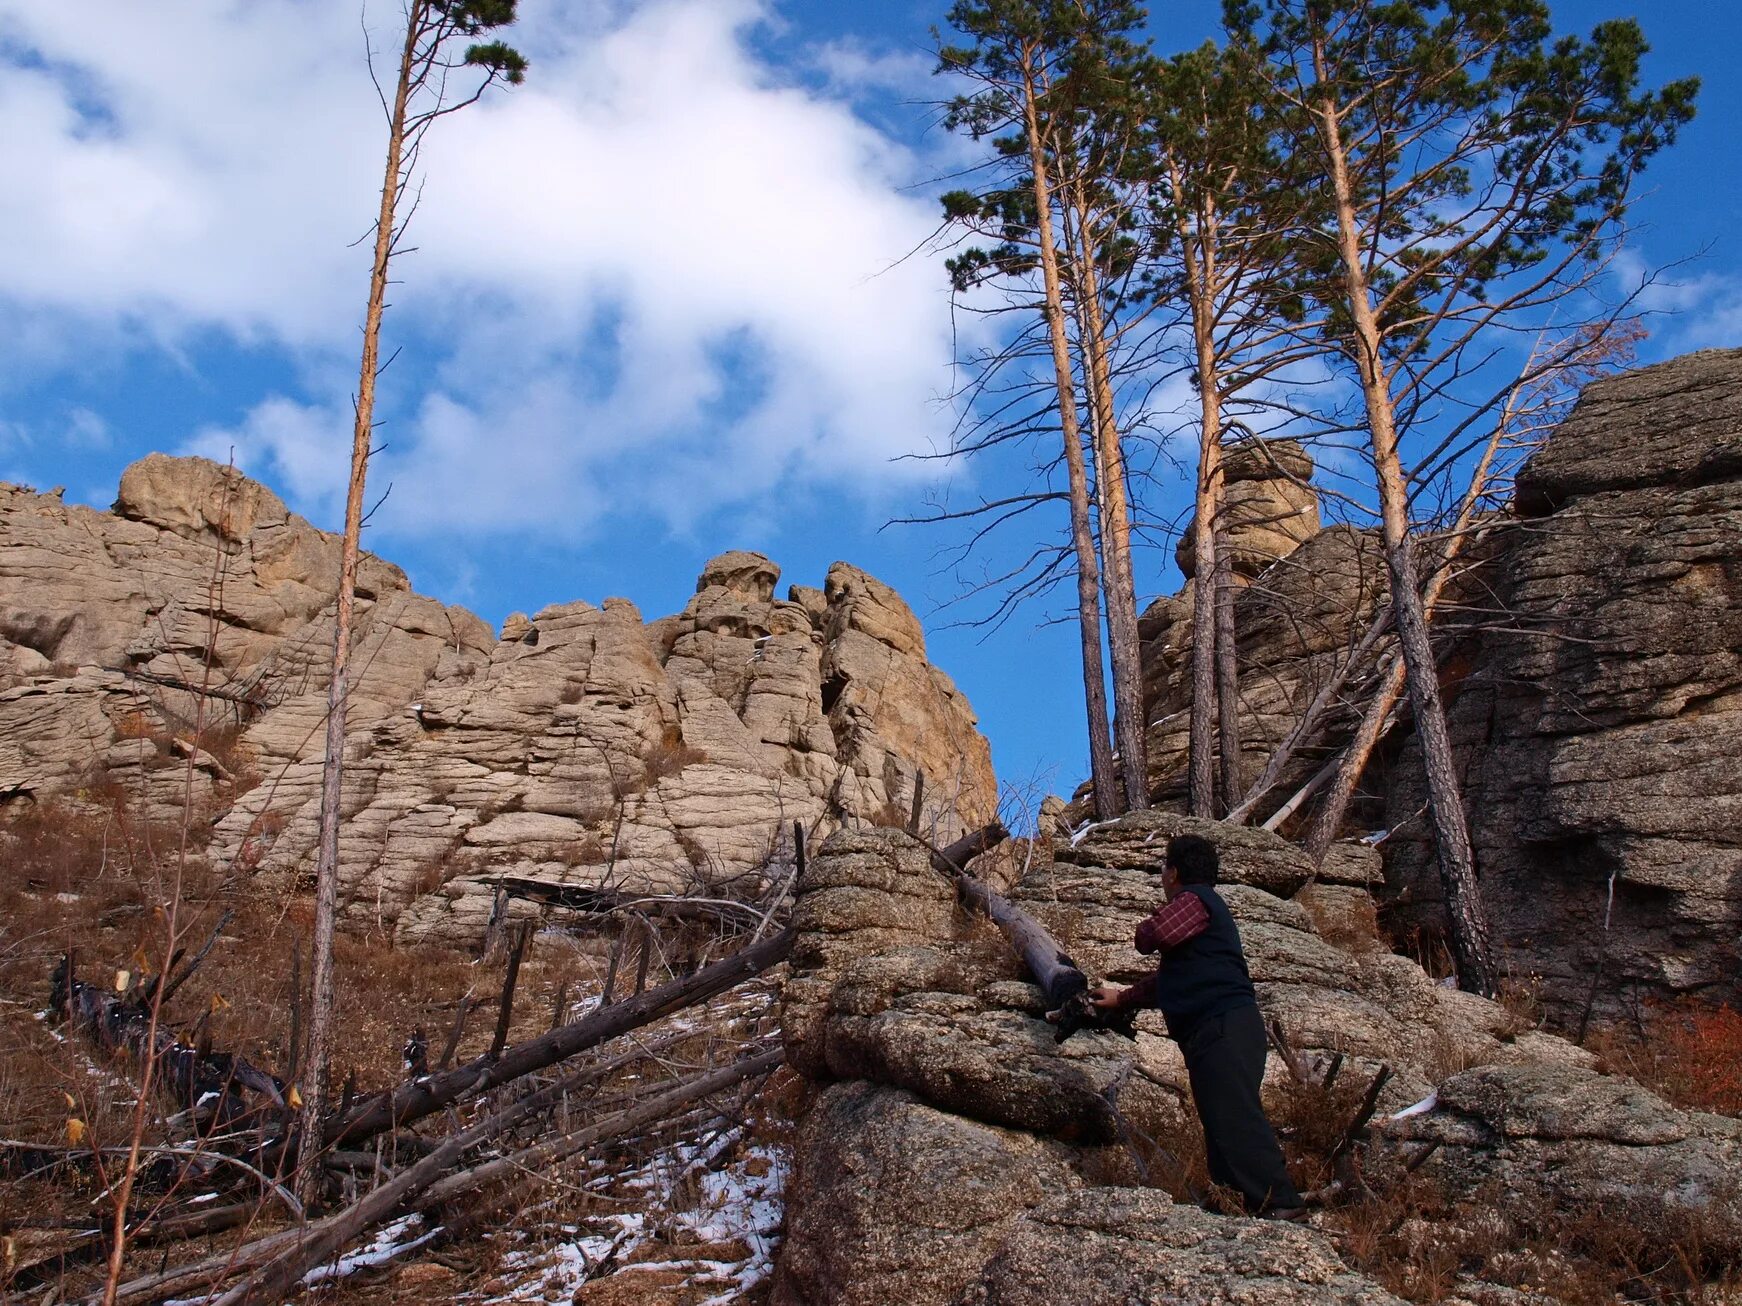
1206,975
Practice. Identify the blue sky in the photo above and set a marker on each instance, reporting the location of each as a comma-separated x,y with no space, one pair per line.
673,296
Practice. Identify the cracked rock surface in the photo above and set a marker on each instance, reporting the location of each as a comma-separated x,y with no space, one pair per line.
580,747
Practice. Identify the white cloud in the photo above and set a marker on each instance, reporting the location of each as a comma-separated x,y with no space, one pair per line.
86,430
659,267
1688,308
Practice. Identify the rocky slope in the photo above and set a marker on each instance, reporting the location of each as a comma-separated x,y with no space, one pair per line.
580,747
954,1154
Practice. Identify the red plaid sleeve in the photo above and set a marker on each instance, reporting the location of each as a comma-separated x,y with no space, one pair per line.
1184,918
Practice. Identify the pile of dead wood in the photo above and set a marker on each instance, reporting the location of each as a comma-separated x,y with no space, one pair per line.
434,1144
507,1112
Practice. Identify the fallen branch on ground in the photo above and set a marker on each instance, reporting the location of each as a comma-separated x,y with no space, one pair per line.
420,1098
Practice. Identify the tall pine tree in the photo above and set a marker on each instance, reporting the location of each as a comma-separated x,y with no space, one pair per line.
442,38
1474,166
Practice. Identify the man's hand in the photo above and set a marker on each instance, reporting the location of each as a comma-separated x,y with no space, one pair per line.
1104,997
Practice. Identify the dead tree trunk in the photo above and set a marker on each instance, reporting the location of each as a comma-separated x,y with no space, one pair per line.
1059,977
414,1101
338,689
1062,982
1308,724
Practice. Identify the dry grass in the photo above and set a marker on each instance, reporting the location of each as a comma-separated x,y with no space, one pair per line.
668,757
1689,1051
1422,1246
1343,918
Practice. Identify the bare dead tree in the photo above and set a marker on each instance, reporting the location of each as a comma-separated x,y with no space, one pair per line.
430,52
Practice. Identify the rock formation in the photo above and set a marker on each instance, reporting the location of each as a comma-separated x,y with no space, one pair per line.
582,747
954,1153
1593,672
1599,727
1305,597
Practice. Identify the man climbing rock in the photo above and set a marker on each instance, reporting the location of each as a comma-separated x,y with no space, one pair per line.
1206,996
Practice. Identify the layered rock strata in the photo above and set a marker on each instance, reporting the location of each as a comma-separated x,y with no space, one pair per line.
1305,597
1592,666
582,747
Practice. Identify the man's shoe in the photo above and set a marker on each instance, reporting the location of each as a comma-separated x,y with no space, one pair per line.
1293,1214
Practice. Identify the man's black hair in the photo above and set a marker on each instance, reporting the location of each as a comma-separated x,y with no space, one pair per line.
1195,859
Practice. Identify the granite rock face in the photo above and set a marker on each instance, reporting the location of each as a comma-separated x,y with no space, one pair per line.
1294,622
954,1154
1130,1246
1271,506
1552,1138
200,585
1598,725
582,746
1599,729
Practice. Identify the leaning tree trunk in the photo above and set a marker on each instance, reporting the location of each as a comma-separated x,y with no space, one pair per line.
1469,926
338,690
1101,770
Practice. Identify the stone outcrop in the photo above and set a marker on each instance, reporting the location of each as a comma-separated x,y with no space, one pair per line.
582,747
954,1153
1112,1247
1304,597
201,580
1599,726
1270,504
1592,667
1545,1138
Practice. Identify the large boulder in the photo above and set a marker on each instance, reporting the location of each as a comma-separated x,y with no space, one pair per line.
1546,1141
1270,504
1135,1247
892,1200
1294,623
937,1071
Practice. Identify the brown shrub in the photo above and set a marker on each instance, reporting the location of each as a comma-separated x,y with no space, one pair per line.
890,816
1689,1051
136,725
1348,920
668,757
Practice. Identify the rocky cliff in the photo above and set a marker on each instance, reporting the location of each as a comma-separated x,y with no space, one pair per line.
1599,725
1593,671
580,746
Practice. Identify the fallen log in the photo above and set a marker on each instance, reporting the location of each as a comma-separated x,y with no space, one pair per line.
220,1088
202,1161
423,1097
320,1241
1061,980
552,1151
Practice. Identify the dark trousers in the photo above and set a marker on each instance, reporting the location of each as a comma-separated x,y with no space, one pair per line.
1225,1059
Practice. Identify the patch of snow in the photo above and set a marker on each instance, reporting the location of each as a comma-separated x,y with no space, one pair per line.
1420,1108
385,1246
1082,831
